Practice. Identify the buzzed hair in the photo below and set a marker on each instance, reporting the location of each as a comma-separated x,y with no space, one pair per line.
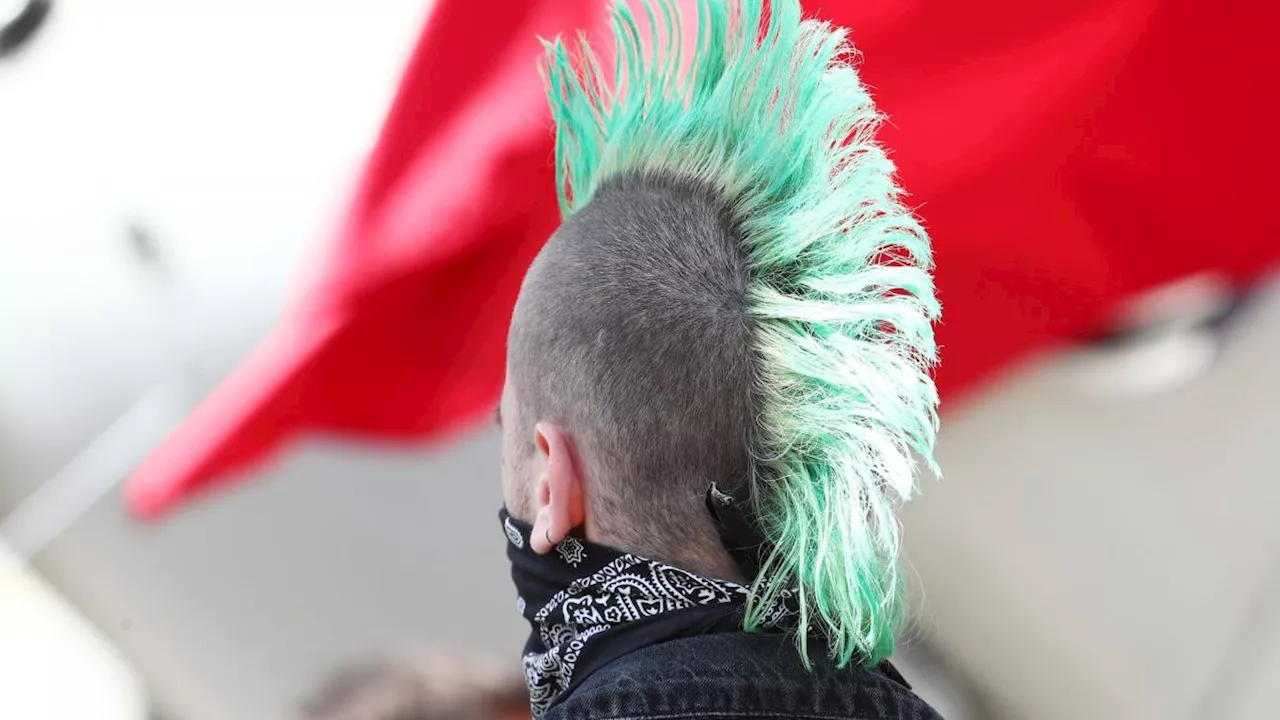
631,330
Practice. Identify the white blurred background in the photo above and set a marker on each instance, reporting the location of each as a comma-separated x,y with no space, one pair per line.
1100,548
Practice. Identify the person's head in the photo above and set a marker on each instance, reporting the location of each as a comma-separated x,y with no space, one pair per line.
630,377
430,688
736,296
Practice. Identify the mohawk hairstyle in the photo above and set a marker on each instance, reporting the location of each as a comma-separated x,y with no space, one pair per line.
770,114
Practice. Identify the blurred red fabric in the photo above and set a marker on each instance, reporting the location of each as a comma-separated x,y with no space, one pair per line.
1064,155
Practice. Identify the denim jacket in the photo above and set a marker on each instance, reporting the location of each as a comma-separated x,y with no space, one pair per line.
738,675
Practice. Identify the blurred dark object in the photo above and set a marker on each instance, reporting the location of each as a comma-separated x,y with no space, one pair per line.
147,251
143,242
19,22
1207,303
435,689
1060,166
1162,340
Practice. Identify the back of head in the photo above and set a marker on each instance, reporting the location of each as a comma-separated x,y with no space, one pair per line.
631,328
737,296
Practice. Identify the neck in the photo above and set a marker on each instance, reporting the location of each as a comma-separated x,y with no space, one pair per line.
700,554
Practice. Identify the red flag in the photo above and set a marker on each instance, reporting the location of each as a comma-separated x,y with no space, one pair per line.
1064,156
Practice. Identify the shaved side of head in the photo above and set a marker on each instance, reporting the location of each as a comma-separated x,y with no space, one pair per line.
631,331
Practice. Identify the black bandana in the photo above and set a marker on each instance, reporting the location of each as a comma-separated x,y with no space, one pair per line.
589,604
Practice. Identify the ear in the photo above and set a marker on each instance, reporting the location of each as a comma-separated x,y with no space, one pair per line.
559,503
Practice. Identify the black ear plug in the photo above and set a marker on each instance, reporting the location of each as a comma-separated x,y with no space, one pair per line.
19,23
738,531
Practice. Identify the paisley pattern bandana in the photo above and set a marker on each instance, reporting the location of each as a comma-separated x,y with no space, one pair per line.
588,604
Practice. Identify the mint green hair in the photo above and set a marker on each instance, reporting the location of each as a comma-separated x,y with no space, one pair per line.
769,111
